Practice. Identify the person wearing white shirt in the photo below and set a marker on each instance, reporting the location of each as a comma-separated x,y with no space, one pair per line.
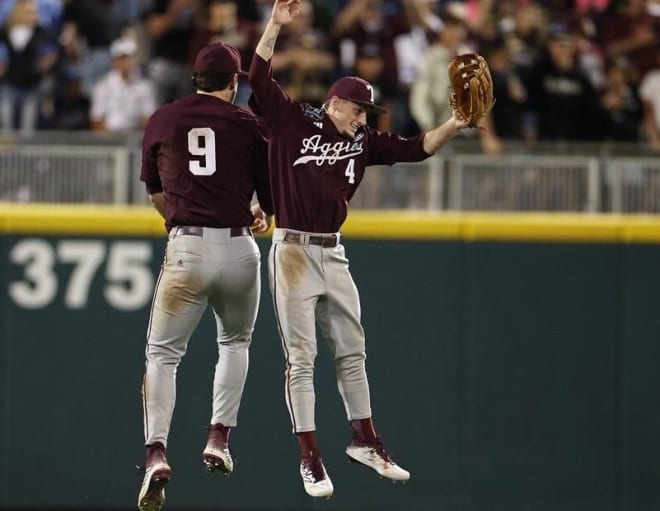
123,100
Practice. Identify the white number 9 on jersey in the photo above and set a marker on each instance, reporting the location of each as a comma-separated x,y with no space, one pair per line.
207,166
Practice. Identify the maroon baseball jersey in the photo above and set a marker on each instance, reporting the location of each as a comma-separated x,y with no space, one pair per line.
315,170
208,156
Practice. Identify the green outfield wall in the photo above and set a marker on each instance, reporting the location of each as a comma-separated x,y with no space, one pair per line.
513,361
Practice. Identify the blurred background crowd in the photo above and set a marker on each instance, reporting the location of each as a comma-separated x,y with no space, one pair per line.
573,70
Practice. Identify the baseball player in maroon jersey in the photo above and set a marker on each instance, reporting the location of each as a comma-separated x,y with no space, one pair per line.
317,158
202,159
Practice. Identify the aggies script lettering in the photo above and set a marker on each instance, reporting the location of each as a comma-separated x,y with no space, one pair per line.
328,152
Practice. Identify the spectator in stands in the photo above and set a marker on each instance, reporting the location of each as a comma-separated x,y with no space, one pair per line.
649,91
71,106
123,100
527,23
590,55
498,17
599,12
303,60
28,54
366,20
621,104
423,24
429,95
509,91
224,23
171,26
527,37
561,95
89,27
634,34
50,13
584,19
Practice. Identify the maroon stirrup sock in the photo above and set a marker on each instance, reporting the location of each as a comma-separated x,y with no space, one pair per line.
363,431
307,441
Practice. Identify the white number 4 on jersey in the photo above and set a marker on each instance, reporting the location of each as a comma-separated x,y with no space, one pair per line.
350,171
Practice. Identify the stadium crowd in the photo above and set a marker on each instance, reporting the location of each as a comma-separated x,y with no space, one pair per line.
575,70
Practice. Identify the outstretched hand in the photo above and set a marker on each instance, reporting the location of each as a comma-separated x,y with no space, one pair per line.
458,122
284,11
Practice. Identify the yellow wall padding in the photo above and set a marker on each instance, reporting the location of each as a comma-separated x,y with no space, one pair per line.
86,219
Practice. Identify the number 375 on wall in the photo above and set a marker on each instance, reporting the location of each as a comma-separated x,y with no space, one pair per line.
127,279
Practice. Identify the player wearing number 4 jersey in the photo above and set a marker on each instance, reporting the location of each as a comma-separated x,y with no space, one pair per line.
202,159
317,159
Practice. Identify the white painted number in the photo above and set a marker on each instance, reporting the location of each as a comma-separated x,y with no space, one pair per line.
350,171
129,279
86,257
40,284
207,166
128,263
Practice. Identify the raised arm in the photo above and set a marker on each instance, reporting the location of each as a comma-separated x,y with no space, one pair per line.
284,11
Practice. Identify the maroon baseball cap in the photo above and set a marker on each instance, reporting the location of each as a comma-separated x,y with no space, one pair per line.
218,58
358,91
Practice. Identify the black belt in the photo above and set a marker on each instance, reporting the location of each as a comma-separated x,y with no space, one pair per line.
193,230
311,239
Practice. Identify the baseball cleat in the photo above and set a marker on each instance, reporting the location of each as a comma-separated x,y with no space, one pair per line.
213,464
157,475
315,478
216,456
378,459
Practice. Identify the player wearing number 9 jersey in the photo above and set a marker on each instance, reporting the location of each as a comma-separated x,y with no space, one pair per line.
202,160
317,159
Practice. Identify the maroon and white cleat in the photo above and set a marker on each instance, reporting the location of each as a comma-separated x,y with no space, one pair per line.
377,458
157,474
315,478
216,456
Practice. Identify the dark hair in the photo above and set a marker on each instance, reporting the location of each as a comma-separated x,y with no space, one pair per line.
210,82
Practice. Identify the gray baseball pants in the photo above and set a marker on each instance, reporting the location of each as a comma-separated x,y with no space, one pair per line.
312,283
215,269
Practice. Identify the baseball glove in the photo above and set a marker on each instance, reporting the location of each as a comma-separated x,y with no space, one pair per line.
472,88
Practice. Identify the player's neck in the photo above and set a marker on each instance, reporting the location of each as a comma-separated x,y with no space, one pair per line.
225,95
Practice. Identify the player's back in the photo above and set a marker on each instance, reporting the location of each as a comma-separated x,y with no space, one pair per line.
209,156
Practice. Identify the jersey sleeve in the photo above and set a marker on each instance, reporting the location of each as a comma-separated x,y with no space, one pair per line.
387,148
150,147
268,99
